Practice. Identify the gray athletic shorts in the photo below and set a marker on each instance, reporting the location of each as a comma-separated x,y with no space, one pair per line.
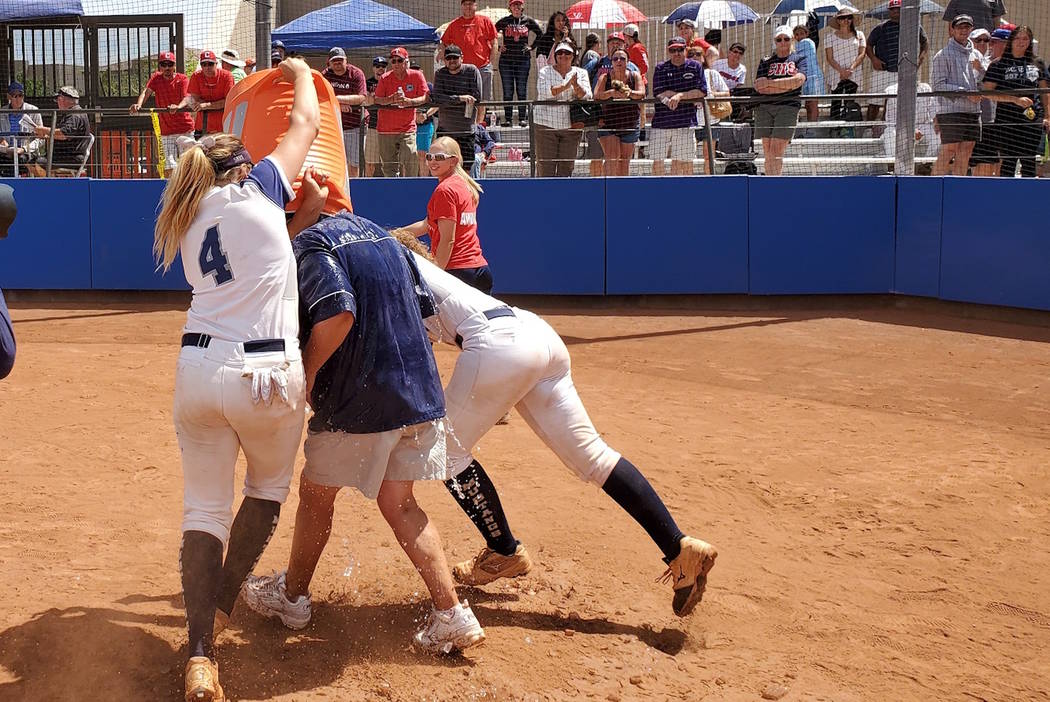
352,146
364,461
775,121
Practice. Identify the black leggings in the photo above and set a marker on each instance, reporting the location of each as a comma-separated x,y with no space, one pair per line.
1020,142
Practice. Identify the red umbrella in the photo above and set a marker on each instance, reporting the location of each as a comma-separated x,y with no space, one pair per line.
599,14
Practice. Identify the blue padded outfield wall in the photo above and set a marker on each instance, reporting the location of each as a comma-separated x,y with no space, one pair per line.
593,236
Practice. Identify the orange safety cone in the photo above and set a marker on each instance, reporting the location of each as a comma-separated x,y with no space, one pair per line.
258,110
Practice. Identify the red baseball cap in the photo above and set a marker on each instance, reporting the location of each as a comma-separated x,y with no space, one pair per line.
400,51
208,56
894,3
515,2
615,35
166,56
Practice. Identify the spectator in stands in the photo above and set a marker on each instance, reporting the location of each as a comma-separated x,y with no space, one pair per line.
844,51
515,57
277,46
589,62
19,120
716,87
348,84
783,74
958,118
559,29
556,142
457,89
71,132
275,59
621,128
984,13
985,159
714,38
475,35
403,90
883,52
674,80
1021,119
615,41
425,126
249,65
591,57
814,85
638,56
927,140
232,62
379,66
170,88
731,68
686,28
484,146
208,89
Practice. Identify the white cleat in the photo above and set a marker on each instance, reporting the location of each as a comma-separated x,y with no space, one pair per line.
450,630
265,595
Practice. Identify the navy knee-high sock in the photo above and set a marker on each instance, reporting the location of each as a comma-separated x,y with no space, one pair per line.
629,488
201,564
252,528
477,497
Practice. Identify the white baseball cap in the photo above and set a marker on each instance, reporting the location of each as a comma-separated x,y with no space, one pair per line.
631,30
783,31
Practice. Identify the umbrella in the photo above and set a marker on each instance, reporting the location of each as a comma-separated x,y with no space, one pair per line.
821,7
926,7
599,14
713,13
493,13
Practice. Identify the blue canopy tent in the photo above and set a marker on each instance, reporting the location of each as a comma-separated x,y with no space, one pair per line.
31,9
353,24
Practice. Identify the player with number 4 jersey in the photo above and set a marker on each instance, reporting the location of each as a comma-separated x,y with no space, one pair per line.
239,381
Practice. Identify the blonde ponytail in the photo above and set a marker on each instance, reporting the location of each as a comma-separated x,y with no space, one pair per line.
194,177
451,146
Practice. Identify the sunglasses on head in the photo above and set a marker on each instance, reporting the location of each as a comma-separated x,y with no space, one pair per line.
167,64
397,60
439,157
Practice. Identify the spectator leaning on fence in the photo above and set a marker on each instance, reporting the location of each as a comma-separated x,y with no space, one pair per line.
515,57
984,13
556,141
476,36
403,90
169,89
19,120
348,84
958,118
233,63
674,121
379,66
732,68
71,132
621,121
1021,120
209,86
985,159
782,74
883,51
457,89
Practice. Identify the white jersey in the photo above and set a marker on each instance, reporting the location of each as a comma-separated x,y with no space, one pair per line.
460,307
238,258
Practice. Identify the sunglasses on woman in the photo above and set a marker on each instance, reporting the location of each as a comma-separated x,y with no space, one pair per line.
619,59
981,41
439,157
783,40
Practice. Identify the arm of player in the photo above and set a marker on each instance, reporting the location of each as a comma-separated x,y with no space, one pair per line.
145,95
313,194
305,120
7,340
447,228
325,338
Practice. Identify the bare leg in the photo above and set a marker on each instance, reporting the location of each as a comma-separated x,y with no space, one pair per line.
962,158
419,538
944,159
313,526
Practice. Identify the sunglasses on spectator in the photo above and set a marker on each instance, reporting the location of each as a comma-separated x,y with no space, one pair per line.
678,50
736,51
782,40
453,58
439,157
167,64
14,95
207,63
619,59
981,41
397,60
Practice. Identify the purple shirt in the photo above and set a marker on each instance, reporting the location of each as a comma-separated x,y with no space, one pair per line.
680,79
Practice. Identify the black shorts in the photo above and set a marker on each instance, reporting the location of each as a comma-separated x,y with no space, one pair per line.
959,127
989,148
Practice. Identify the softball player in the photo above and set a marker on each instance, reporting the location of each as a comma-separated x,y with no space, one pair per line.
512,358
7,332
239,382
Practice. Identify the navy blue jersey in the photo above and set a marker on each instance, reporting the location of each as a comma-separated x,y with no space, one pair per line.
774,67
383,376
678,79
884,41
7,339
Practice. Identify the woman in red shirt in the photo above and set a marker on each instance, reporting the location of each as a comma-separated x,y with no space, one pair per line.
452,217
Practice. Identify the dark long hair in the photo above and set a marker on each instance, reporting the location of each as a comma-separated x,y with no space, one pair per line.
550,24
1028,54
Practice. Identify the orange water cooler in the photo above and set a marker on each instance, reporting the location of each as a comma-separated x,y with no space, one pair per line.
258,110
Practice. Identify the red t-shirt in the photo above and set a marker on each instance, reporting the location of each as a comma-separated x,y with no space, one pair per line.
210,90
453,199
171,92
475,36
399,121
639,58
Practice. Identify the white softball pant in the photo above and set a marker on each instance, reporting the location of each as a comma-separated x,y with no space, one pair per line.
521,362
216,416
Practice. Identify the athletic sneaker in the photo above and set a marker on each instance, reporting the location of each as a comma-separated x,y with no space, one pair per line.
688,574
265,594
488,566
202,681
451,629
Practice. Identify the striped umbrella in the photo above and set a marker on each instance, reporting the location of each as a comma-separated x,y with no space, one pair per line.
599,14
713,13
821,7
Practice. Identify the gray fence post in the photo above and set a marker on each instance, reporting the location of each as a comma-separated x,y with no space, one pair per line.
907,83
262,34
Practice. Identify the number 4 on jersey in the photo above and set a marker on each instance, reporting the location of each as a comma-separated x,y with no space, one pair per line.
213,259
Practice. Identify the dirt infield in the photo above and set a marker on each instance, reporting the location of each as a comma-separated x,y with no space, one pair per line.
876,481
